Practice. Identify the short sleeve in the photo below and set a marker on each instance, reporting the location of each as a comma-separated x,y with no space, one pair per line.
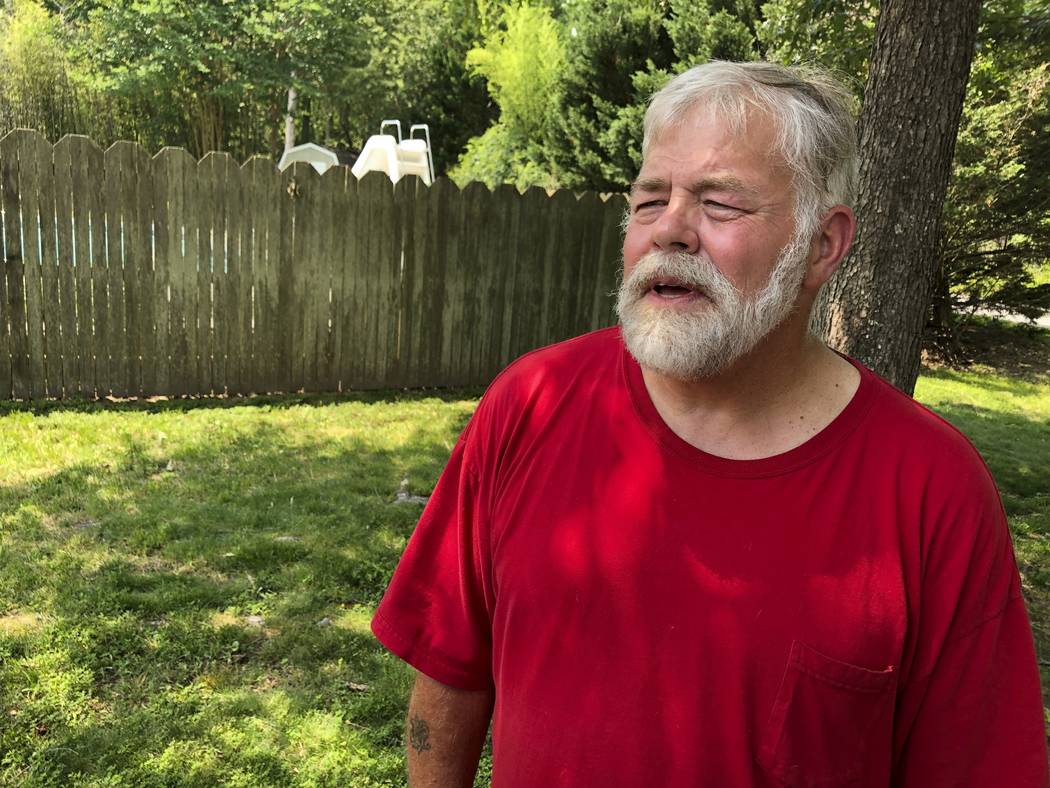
971,711
436,613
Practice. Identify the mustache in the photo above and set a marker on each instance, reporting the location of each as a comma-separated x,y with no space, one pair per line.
694,271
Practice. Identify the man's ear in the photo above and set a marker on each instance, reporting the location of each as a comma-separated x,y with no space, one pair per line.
830,245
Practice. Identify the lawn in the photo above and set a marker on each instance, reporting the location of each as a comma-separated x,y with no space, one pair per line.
187,586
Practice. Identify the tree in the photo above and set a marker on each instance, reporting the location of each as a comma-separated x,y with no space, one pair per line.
421,63
620,53
877,305
996,226
35,89
836,34
997,213
221,69
522,64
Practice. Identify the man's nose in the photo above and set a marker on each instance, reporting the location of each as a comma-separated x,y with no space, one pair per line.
675,230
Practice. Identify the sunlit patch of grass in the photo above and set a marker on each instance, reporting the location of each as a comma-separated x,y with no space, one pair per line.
19,623
357,619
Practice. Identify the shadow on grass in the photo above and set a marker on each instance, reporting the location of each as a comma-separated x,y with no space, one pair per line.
204,596
274,401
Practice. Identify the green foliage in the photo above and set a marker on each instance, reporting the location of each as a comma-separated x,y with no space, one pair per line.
206,66
34,68
522,62
596,142
997,210
997,213
836,34
420,66
620,54
216,75
496,157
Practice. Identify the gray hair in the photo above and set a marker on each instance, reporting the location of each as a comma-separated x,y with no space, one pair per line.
812,113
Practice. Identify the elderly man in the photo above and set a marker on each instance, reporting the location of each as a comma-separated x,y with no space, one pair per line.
701,548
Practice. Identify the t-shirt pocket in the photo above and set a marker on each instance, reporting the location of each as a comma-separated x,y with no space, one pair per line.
823,719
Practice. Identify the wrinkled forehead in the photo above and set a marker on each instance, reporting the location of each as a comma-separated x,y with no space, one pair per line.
734,109
751,133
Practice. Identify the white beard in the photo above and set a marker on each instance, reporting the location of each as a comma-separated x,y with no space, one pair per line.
694,344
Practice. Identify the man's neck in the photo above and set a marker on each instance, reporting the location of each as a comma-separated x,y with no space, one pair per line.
770,401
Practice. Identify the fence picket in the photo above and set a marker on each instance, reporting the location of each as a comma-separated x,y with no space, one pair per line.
117,338
162,250
372,192
265,201
529,284
72,363
135,205
610,257
426,280
237,300
45,331
209,226
93,323
315,211
349,229
330,253
36,189
180,177
15,381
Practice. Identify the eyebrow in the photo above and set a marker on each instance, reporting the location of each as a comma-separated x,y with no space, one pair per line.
715,182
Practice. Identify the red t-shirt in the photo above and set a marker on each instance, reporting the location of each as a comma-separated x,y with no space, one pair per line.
845,613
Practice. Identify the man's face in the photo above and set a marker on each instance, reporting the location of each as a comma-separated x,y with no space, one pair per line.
711,261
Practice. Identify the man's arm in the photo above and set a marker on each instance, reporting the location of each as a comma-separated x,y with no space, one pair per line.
444,733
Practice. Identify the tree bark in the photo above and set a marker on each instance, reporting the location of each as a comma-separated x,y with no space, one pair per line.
875,308
289,119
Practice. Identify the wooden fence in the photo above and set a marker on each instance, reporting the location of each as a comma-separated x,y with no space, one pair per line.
127,275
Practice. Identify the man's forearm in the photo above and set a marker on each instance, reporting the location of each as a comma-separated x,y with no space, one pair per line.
444,734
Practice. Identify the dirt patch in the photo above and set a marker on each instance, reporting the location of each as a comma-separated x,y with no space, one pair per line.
1004,348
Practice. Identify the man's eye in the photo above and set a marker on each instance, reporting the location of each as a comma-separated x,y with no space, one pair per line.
720,206
648,204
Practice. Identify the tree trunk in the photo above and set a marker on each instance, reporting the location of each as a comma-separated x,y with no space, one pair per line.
289,119
875,308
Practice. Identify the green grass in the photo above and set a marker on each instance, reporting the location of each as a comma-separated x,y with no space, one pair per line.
166,570
164,576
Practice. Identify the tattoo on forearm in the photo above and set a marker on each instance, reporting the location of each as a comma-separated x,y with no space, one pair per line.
419,734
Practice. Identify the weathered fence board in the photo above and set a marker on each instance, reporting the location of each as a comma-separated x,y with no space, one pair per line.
16,282
92,317
180,173
265,211
72,383
205,204
237,300
349,318
212,229
36,182
128,275
5,294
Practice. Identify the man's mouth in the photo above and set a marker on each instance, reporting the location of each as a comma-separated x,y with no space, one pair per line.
673,288
671,291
